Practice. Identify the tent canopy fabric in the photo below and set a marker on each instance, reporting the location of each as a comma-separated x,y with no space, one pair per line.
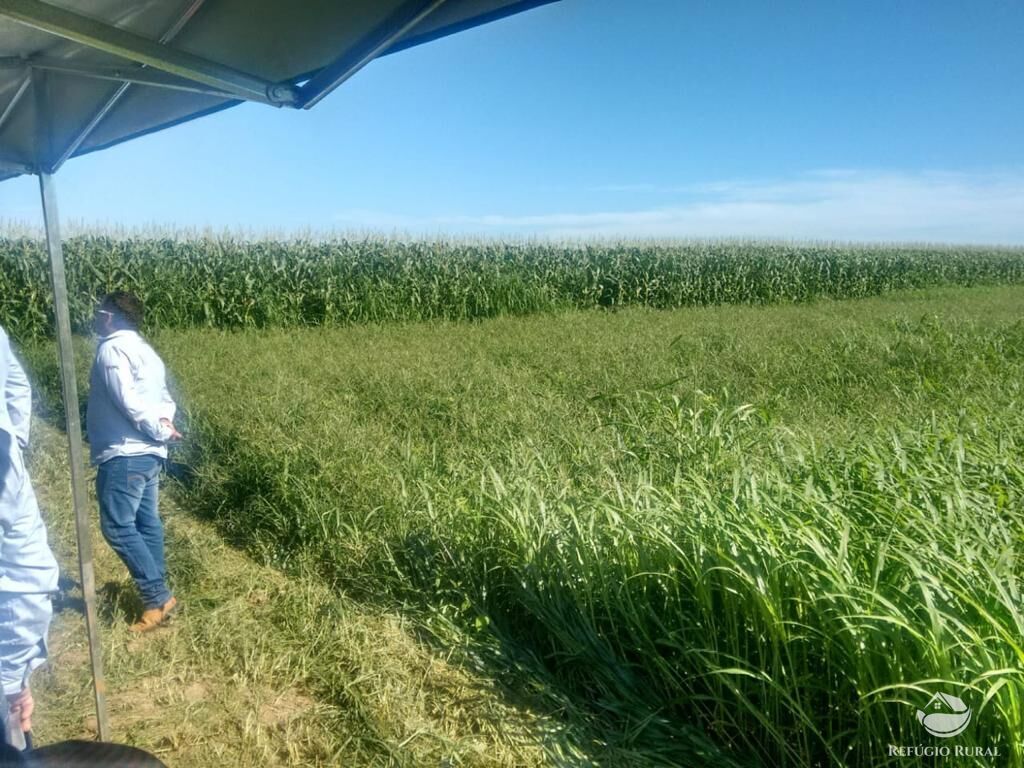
81,75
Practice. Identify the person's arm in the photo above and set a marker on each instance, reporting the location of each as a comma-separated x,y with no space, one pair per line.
167,405
18,394
167,410
18,398
120,385
21,705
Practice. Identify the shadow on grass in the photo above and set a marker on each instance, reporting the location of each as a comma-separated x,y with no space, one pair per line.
64,599
119,602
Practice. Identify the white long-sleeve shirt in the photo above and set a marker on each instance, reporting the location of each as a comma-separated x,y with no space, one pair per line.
26,563
128,397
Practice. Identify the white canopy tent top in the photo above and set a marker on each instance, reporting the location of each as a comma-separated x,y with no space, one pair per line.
78,76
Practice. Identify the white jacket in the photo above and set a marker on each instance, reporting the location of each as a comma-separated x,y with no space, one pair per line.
127,398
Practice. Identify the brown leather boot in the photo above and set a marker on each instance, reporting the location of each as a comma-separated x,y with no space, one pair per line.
150,620
168,607
154,617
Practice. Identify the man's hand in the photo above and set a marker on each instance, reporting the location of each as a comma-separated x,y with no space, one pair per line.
20,706
175,434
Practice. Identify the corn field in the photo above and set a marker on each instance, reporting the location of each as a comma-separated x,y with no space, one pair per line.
224,282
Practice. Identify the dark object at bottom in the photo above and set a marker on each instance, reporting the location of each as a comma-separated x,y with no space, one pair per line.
78,754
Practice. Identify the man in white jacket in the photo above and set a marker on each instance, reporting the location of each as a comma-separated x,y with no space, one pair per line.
130,419
28,570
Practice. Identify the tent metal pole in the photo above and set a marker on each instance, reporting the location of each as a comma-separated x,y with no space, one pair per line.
74,431
408,15
92,33
129,74
86,130
9,109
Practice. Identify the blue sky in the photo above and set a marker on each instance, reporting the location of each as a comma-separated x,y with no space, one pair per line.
866,120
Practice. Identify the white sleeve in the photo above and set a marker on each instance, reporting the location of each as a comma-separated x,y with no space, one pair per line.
167,405
18,398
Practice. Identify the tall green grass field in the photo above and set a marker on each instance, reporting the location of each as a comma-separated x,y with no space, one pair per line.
768,500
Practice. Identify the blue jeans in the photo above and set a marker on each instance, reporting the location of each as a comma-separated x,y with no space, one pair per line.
127,488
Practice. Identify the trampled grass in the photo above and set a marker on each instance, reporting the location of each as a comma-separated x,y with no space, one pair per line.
785,526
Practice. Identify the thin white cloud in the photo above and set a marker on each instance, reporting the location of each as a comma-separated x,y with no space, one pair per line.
625,188
831,204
